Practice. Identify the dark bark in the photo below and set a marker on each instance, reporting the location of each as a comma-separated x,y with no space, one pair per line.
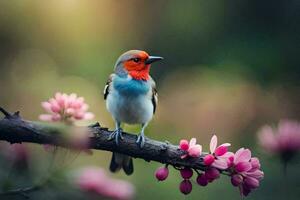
14,129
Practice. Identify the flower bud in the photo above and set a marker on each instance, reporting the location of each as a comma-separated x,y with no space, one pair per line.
209,159
251,182
255,163
245,190
236,180
185,187
212,174
184,145
202,180
221,150
162,173
186,173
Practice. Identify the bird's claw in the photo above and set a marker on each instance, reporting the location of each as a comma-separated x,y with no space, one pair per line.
117,134
141,140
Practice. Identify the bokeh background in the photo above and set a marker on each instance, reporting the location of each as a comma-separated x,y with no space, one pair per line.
229,68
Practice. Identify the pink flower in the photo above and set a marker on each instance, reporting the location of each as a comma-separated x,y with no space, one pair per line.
246,172
285,139
219,155
95,180
66,108
192,149
162,173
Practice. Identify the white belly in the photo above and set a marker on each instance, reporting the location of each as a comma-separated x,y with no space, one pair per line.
131,110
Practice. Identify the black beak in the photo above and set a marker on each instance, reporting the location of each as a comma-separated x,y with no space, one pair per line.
152,59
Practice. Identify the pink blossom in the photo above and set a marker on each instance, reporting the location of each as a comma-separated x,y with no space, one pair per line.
95,180
192,149
285,139
66,108
162,173
246,172
219,155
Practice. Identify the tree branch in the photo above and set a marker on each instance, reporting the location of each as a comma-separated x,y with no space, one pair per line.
16,130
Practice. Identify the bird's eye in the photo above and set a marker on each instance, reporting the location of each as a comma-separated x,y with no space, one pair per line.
136,60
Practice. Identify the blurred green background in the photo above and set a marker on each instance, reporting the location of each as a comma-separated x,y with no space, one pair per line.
229,68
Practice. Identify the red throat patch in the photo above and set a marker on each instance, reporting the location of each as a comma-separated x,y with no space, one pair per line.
140,74
137,69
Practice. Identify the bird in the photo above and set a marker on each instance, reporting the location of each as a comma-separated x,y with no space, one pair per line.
131,98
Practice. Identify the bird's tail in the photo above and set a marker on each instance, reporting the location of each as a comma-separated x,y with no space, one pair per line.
119,161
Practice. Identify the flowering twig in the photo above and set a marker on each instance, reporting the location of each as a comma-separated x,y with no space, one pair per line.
188,157
14,129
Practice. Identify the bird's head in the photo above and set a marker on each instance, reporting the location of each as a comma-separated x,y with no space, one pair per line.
136,63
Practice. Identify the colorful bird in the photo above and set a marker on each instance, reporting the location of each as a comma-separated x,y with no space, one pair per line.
131,98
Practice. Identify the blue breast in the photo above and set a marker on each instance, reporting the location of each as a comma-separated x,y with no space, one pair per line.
131,87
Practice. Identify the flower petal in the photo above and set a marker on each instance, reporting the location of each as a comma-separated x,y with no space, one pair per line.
88,116
183,156
193,142
55,117
258,174
213,143
226,144
45,117
255,163
243,167
220,164
47,106
242,155
195,151
251,183
227,155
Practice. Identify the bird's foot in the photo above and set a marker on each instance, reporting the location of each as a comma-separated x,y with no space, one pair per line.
117,134
141,140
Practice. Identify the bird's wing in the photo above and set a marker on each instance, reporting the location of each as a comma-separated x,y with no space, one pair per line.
154,97
107,86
